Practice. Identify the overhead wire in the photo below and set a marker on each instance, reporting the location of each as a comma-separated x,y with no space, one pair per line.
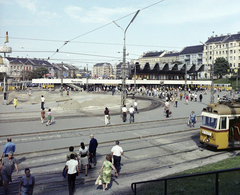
84,42
66,42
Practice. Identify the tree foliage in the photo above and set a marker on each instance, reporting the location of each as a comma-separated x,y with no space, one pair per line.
39,72
221,67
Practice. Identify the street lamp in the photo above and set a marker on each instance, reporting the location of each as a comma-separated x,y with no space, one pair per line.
123,94
87,80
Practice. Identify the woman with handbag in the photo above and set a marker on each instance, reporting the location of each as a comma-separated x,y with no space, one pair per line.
107,116
106,172
84,156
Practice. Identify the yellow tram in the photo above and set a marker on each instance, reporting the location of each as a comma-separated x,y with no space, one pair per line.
221,125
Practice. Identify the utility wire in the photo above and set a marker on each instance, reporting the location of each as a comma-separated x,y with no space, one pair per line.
66,42
133,45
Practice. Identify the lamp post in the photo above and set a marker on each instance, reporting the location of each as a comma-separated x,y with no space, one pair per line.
87,80
62,79
123,94
135,72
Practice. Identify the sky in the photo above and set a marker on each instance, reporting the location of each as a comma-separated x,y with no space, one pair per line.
84,33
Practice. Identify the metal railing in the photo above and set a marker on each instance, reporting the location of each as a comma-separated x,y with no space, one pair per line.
134,185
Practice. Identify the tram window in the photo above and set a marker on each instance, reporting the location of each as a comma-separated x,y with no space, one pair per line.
209,121
223,123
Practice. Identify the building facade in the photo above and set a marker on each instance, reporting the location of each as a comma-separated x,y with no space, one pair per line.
102,70
19,68
150,57
192,55
226,46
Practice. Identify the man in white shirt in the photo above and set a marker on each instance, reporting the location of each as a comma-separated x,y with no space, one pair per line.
135,106
73,171
124,112
42,101
117,151
167,108
131,112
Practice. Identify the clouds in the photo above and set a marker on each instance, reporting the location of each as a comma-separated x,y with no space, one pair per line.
97,14
28,4
177,12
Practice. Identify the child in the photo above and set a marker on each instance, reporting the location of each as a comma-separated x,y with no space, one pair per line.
49,117
15,101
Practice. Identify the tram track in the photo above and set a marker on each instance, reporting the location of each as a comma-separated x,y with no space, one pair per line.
78,132
45,185
155,103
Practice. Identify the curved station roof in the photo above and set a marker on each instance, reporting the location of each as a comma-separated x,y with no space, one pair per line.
170,68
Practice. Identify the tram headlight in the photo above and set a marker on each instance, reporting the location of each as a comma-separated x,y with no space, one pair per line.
207,140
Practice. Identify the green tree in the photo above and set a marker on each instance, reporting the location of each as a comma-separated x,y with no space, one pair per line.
1,76
221,66
40,71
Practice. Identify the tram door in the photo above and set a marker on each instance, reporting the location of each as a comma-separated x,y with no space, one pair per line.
234,129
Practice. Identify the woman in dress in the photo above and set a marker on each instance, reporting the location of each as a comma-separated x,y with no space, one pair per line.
7,167
49,113
192,119
15,102
84,155
106,172
27,183
107,116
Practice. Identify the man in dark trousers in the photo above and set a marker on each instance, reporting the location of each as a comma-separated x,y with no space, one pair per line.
117,151
200,97
72,171
92,149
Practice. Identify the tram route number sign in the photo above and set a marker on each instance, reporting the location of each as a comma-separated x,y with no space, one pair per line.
206,133
161,82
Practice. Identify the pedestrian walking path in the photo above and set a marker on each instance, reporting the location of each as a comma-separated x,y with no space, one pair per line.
14,128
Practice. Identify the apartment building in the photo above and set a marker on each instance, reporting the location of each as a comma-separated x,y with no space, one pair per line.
191,55
102,70
151,57
169,57
226,46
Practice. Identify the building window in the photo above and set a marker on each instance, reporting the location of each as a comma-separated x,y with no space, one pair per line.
233,57
223,52
234,51
216,52
238,57
230,65
238,64
29,68
220,46
226,52
230,51
230,58
220,52
210,53
210,47
231,44
234,44
223,45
